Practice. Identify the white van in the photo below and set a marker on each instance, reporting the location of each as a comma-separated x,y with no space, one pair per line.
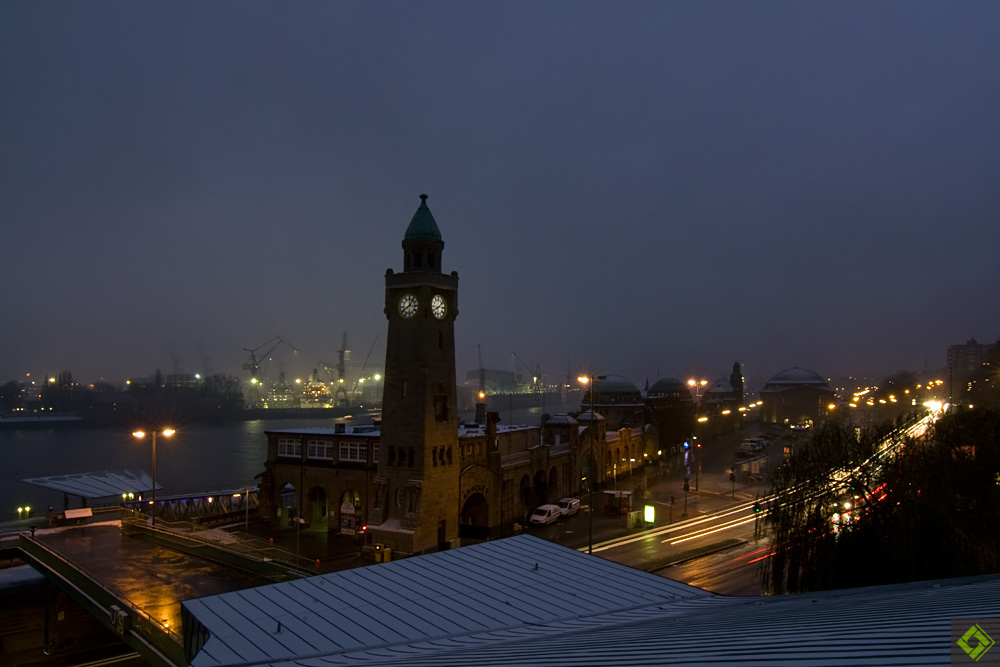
569,506
545,514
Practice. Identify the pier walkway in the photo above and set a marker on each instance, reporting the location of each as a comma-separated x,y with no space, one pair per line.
133,576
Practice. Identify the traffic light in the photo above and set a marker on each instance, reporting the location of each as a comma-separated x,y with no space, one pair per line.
732,476
756,507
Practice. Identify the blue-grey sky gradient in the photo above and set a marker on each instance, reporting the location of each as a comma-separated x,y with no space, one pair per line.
642,188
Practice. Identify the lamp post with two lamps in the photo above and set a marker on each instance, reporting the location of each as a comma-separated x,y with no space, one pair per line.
697,385
592,463
165,432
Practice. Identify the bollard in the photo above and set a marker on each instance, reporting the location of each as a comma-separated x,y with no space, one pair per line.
317,563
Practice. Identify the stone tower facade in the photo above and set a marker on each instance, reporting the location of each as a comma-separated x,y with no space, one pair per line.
415,499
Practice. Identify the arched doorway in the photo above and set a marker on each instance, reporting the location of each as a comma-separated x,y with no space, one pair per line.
475,518
288,501
527,498
315,513
541,488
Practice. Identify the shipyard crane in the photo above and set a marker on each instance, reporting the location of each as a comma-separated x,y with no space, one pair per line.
536,374
361,374
482,374
340,393
253,365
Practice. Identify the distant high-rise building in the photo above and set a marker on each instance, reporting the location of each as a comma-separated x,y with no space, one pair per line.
966,365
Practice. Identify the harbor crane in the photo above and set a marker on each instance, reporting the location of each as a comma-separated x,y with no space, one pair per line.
253,364
361,374
535,374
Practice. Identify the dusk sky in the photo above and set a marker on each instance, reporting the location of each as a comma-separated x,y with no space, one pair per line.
644,189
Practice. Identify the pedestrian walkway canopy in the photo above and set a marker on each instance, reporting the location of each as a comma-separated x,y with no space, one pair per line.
522,600
93,485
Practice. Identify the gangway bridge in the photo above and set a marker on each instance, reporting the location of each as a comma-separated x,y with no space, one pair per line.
133,575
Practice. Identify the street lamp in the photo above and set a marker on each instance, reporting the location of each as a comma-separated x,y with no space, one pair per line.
697,385
592,463
165,432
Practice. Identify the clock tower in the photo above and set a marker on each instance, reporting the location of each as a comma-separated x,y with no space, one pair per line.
414,504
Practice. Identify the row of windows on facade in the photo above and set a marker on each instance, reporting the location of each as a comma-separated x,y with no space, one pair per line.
352,452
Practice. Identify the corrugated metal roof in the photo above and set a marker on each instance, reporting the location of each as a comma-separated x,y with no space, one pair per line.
500,585
97,484
488,605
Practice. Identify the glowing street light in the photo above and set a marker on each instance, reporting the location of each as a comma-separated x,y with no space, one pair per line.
697,385
166,432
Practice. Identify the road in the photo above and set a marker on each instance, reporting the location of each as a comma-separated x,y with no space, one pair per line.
710,529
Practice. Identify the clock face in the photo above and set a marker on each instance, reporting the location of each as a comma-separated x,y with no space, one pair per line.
408,305
439,306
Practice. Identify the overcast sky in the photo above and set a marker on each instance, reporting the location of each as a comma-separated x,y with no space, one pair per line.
644,189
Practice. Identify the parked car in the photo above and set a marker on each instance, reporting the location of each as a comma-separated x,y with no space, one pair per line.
569,506
545,514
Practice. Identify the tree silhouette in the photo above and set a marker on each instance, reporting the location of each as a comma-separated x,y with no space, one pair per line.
926,511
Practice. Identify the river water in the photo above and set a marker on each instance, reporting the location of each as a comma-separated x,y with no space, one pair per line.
195,459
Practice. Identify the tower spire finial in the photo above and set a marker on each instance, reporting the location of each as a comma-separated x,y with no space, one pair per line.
423,199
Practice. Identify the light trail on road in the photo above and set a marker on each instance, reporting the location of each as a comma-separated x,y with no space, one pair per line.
679,526
735,523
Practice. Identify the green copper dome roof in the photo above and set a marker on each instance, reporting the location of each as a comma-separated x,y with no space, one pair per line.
422,226
669,385
615,384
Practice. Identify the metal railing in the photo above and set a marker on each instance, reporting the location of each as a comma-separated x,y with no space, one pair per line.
249,553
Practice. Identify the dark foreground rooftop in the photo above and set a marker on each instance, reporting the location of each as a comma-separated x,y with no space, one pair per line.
525,601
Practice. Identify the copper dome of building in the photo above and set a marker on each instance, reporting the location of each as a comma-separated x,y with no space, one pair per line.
796,396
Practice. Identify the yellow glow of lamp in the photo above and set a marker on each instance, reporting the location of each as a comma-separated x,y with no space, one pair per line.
166,432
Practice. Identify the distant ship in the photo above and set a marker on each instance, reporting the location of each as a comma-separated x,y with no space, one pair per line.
333,412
